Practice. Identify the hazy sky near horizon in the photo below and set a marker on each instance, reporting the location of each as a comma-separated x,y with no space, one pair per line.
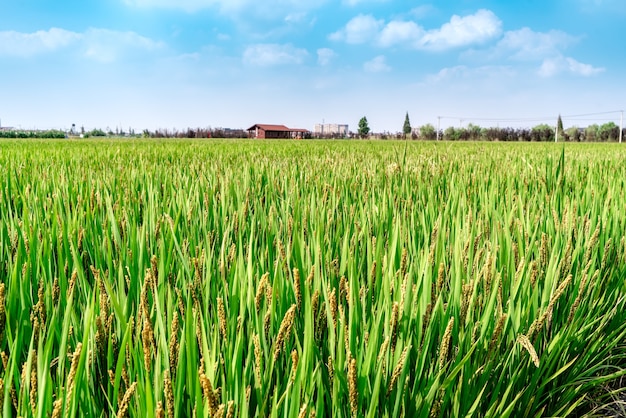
232,63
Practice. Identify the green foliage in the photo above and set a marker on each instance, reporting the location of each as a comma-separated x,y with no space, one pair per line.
608,132
269,278
573,134
474,132
406,128
97,133
52,134
603,133
543,132
591,133
452,134
428,132
364,128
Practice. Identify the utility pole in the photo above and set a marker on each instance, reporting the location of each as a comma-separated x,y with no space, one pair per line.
556,133
621,126
438,125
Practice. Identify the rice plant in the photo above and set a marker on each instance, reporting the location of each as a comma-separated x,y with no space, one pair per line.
243,278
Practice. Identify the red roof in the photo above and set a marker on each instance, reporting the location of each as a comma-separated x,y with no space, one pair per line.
282,128
276,128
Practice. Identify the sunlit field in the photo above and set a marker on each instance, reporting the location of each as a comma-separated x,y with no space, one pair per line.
296,279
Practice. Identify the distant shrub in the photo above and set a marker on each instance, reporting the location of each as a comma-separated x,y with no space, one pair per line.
52,134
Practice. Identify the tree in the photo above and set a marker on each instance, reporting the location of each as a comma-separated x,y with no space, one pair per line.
96,132
559,126
428,131
406,129
475,132
608,132
591,132
364,128
572,134
542,132
450,134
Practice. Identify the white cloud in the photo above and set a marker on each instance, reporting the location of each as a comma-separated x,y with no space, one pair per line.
580,68
295,18
361,29
465,73
265,55
558,65
396,32
377,65
480,27
477,28
545,49
325,56
526,44
28,44
422,11
107,46
460,71
99,44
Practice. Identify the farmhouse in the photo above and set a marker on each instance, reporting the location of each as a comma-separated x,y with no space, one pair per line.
262,131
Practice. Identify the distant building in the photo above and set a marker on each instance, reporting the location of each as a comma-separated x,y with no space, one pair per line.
264,131
330,129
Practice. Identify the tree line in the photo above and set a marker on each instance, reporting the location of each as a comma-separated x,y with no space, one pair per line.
52,134
608,132
196,133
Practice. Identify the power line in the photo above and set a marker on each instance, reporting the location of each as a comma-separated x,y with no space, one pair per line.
531,119
593,114
497,119
594,119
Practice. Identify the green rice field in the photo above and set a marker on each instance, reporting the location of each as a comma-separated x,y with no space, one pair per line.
208,278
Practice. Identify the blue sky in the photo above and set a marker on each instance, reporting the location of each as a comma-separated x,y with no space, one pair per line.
232,63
